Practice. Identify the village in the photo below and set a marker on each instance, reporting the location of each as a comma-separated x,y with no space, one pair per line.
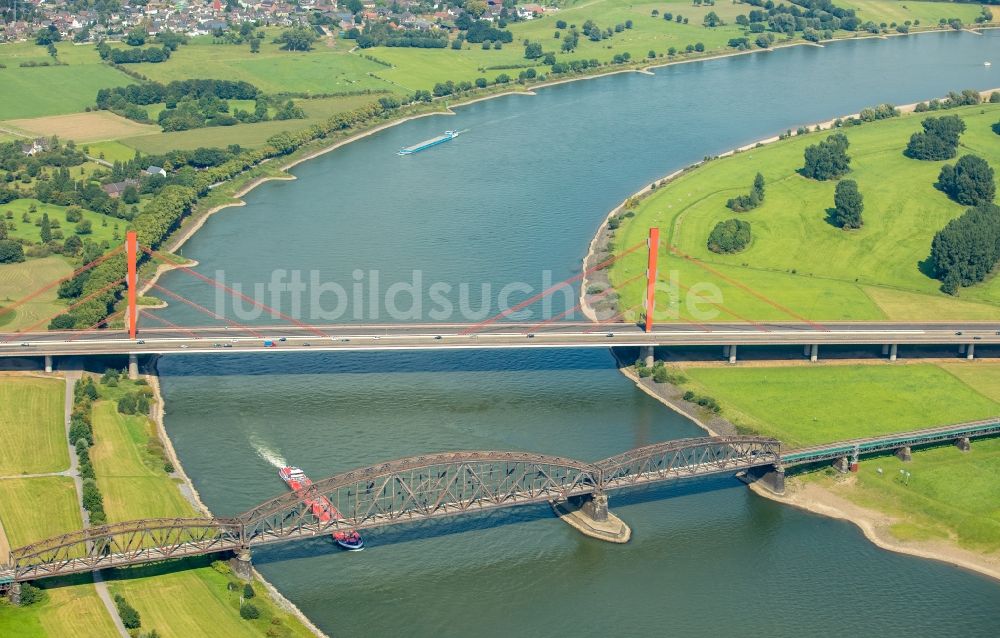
113,20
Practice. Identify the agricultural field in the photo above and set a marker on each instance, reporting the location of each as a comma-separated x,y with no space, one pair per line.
28,90
81,127
32,427
247,135
109,151
103,227
324,70
819,404
19,280
133,481
929,13
799,261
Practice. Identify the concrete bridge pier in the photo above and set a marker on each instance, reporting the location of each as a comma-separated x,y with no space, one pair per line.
48,363
14,593
814,352
841,464
730,351
893,350
589,515
971,352
133,367
242,565
963,444
904,454
646,354
771,477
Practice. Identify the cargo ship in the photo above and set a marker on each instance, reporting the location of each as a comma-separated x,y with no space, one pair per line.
447,136
321,508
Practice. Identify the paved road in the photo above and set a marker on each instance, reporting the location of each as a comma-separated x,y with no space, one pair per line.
498,335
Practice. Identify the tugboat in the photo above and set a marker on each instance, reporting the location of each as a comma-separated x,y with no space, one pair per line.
321,508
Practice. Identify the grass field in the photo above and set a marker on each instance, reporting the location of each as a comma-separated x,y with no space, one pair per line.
248,135
70,611
799,260
133,483
53,90
31,426
103,226
110,151
197,602
19,280
820,404
38,508
898,11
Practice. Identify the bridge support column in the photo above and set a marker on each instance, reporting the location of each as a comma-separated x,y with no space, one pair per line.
841,464
971,352
963,444
242,565
904,454
771,477
732,353
893,350
589,515
646,354
814,352
133,366
48,363
14,593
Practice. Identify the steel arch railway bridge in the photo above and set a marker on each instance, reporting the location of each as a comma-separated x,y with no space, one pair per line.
405,490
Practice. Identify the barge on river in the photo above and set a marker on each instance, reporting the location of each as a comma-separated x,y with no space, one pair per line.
321,507
447,136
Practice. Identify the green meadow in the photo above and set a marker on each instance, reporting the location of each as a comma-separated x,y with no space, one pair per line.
809,405
31,426
102,226
799,262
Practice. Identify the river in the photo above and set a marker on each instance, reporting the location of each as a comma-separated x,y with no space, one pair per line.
518,194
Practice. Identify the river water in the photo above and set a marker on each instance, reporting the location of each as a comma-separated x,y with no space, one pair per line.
516,199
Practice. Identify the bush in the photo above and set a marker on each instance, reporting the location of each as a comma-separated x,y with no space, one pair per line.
249,611
828,159
248,591
730,236
31,594
10,251
969,181
129,615
939,139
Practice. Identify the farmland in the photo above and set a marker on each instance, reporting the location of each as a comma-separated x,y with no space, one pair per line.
31,426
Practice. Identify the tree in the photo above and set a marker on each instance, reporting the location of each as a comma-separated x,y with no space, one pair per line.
712,20
969,181
46,230
848,205
72,246
10,251
730,236
47,36
254,45
74,214
130,195
129,615
296,39
533,51
249,611
939,139
136,37
248,591
84,227
758,186
828,159
966,250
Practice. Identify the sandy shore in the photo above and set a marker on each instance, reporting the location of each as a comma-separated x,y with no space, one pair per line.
876,527
191,494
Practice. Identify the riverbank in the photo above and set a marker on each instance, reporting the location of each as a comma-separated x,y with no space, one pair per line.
876,526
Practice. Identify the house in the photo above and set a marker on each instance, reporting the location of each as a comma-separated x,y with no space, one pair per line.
156,170
36,145
116,189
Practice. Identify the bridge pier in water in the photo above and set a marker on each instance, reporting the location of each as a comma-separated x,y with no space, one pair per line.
590,516
242,564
